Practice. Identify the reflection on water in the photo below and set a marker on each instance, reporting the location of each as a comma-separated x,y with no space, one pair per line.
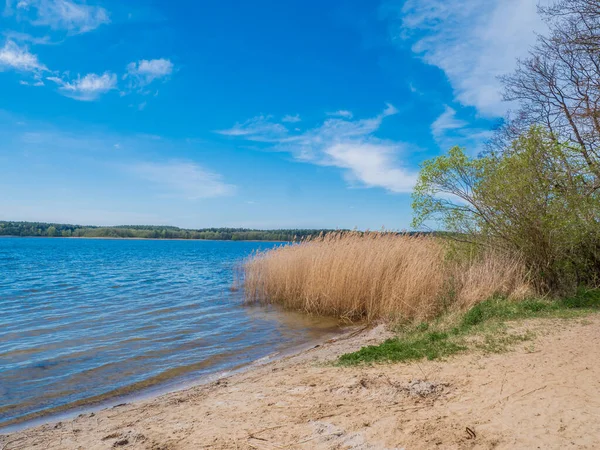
84,320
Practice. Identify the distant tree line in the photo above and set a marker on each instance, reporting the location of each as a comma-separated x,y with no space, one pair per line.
151,232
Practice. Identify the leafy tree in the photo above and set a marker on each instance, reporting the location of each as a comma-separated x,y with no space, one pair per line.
523,202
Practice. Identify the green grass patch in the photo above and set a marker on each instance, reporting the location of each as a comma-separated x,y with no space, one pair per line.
482,327
431,345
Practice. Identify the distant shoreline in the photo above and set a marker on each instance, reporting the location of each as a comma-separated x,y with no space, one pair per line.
158,232
138,238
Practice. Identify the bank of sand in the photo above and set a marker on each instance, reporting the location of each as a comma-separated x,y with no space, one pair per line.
544,394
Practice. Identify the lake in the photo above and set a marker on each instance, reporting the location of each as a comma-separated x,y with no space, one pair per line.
86,320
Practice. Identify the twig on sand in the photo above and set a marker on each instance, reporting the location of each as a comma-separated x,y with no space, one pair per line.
411,408
351,335
421,369
5,445
337,433
267,442
253,434
509,395
324,417
531,392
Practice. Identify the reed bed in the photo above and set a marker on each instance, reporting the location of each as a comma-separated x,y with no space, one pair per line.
358,276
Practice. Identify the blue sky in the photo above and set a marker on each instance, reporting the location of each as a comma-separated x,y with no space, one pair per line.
261,114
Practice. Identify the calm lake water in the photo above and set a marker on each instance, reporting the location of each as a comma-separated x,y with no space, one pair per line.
85,320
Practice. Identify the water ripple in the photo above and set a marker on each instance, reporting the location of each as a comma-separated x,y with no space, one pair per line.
82,320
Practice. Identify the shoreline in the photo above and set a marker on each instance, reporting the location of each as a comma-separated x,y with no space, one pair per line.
70,411
157,392
532,396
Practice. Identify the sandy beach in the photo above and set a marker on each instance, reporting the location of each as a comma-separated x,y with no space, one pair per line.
542,394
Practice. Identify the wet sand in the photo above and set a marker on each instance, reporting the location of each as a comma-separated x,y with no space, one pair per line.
543,394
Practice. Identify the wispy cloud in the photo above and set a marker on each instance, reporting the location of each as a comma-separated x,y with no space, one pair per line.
448,131
473,42
291,119
144,72
73,17
260,128
185,179
24,37
36,83
15,57
352,146
341,113
340,142
87,88
445,122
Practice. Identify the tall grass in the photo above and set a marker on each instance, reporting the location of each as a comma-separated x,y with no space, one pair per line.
370,276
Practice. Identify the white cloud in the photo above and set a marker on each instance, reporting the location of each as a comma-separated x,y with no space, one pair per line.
341,113
371,163
74,17
445,122
350,145
144,72
88,88
24,37
473,42
32,83
15,57
339,142
448,131
259,128
291,119
184,178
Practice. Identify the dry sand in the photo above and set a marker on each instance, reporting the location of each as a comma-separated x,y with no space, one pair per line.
544,394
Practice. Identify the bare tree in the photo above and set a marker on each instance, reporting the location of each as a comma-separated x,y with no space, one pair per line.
558,86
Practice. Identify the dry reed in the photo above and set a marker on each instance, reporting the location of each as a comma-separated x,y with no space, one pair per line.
371,276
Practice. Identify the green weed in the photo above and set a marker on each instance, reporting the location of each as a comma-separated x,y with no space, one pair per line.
482,327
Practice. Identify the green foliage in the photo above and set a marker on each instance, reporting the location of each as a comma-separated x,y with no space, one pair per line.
443,190
432,345
585,299
487,320
529,201
501,309
151,232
